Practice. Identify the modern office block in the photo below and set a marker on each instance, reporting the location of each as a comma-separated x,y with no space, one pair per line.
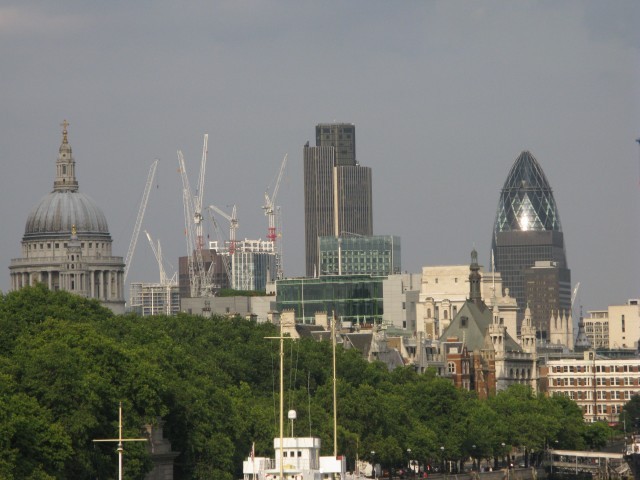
353,298
337,190
357,255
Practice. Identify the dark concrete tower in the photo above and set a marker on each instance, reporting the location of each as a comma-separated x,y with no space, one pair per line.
528,241
337,190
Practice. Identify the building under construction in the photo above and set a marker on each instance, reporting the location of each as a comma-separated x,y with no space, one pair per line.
213,263
154,298
251,263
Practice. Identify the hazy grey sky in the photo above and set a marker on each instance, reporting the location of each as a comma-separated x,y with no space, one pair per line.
444,95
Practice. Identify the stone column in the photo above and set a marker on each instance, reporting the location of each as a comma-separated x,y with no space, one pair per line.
108,284
100,285
91,287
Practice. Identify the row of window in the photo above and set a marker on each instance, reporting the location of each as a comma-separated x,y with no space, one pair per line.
600,395
64,245
588,381
599,368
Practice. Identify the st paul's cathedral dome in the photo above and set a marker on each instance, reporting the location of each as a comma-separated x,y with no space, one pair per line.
66,242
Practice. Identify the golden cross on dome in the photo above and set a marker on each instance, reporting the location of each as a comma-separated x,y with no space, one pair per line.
64,126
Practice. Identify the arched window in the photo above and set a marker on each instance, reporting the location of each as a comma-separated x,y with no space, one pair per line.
428,313
446,315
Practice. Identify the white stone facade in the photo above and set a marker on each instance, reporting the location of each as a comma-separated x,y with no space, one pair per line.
617,328
596,384
443,291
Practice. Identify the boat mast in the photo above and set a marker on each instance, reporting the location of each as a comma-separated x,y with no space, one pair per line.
335,403
281,402
281,338
119,441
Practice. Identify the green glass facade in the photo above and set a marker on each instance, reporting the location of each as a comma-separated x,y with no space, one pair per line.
354,298
377,255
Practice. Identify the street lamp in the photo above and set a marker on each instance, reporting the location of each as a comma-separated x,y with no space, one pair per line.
373,464
473,455
443,464
409,460
503,445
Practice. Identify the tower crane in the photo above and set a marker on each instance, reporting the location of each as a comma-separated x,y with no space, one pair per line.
225,258
233,225
198,278
269,203
574,295
157,252
141,210
165,283
269,211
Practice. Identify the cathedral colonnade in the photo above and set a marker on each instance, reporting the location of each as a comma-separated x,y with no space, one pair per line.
101,284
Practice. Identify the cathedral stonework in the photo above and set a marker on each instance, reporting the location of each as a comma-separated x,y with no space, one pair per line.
66,243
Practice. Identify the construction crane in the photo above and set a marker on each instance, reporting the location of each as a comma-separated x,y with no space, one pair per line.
157,252
233,225
574,295
166,283
141,210
225,258
198,278
197,200
269,203
270,212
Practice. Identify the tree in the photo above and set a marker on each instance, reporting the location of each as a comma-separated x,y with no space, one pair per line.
630,415
596,435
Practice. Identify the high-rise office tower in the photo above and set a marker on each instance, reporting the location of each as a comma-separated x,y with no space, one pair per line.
527,230
337,190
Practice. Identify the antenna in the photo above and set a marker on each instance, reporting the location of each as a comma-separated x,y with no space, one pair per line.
120,440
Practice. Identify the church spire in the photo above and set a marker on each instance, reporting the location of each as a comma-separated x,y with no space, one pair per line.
65,165
474,280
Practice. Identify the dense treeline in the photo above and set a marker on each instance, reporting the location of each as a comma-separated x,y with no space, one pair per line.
66,362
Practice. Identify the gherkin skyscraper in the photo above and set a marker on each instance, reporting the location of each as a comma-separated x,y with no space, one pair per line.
528,244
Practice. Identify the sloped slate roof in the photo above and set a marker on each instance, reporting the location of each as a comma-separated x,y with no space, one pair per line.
473,335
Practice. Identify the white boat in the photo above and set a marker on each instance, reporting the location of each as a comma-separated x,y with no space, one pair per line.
301,461
296,458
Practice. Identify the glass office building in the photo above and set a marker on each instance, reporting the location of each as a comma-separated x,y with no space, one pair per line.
354,298
527,229
359,255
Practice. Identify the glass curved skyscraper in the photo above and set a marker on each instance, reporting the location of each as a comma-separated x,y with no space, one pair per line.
528,244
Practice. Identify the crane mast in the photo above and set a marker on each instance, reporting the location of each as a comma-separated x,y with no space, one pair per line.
225,258
233,225
166,283
269,203
270,212
141,210
199,194
198,277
